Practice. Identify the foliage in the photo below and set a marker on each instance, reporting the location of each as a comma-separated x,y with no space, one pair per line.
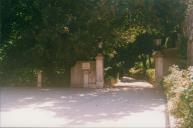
127,56
53,35
21,77
189,4
136,73
178,87
150,75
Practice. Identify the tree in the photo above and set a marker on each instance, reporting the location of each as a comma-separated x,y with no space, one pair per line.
53,35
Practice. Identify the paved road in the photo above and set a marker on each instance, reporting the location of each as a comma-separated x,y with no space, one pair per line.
122,106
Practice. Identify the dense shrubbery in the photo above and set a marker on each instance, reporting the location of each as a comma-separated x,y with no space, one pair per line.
19,77
178,87
53,35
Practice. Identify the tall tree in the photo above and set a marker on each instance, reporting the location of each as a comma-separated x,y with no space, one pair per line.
53,35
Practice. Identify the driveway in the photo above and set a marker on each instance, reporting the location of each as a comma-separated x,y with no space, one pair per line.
126,105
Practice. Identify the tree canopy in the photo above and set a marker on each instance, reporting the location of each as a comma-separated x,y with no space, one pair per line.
52,35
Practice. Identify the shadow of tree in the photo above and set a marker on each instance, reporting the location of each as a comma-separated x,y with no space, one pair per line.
82,106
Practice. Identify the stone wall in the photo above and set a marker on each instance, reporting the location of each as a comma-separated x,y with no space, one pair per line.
170,57
189,33
163,60
88,74
77,74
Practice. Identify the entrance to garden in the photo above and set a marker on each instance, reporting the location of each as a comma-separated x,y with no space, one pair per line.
90,74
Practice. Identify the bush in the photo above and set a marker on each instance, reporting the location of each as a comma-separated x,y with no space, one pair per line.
19,77
178,86
150,75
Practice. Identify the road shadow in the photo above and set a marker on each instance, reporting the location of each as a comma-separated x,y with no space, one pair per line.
77,106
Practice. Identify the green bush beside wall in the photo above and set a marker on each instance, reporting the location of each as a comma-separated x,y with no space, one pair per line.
178,87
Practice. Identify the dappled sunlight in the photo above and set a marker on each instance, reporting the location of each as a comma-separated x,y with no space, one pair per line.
32,117
45,89
24,99
135,84
46,104
131,82
63,97
83,107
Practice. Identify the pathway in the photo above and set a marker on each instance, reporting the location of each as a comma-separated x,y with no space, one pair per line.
127,105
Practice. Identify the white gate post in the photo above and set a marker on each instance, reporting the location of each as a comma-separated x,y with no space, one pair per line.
39,79
85,79
99,71
159,66
86,69
189,33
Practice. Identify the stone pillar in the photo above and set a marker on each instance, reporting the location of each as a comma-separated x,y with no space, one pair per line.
99,71
39,79
85,78
159,66
191,59
190,52
189,32
86,69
